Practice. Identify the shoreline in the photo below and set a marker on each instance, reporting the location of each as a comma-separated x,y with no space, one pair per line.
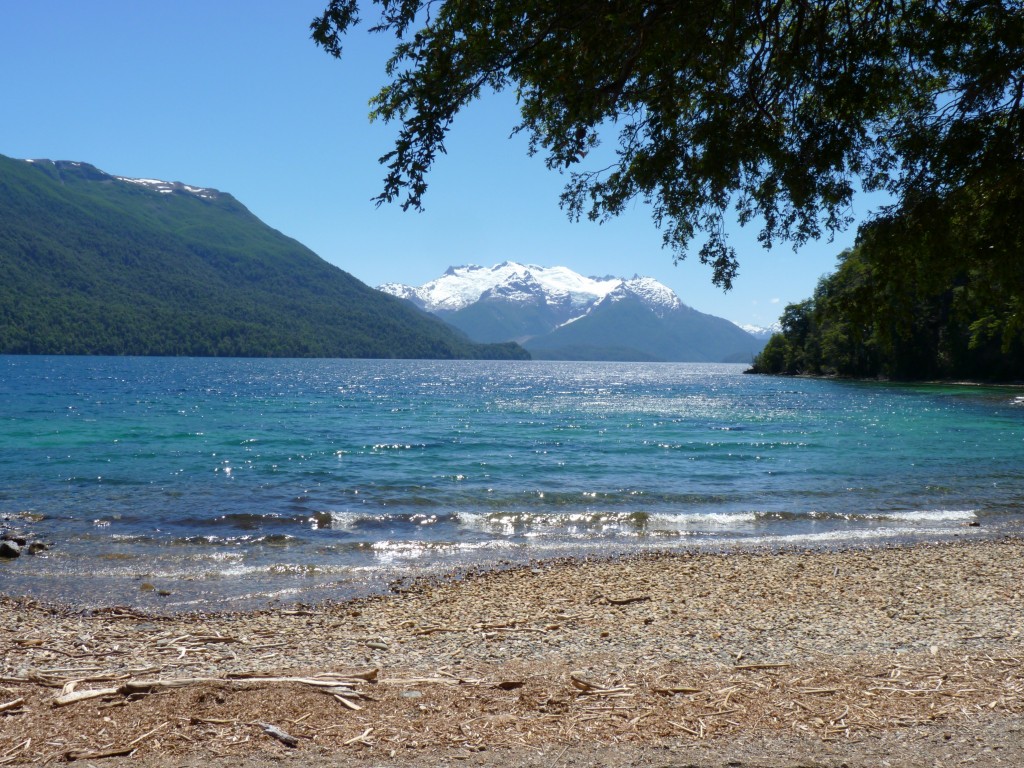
1013,383
711,658
163,596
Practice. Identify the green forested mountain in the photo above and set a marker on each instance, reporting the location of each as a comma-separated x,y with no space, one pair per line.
95,264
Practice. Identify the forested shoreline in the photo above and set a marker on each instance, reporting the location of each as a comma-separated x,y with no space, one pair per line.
915,301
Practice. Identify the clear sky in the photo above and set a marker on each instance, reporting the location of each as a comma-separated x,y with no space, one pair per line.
233,94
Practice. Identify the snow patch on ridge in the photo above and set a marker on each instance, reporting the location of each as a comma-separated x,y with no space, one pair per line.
167,187
402,292
156,185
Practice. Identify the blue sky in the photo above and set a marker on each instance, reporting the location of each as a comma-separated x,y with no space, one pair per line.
234,95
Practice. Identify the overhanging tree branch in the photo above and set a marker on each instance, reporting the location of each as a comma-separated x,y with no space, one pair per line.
781,106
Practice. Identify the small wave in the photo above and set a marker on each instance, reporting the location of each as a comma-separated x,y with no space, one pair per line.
237,568
929,515
130,538
245,521
588,501
349,521
728,519
660,523
296,569
610,524
273,539
211,541
510,521
389,551
276,539
712,519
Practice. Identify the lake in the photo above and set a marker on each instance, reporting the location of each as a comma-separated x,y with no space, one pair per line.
178,483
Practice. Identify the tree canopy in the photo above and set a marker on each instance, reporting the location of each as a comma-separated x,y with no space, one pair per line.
772,111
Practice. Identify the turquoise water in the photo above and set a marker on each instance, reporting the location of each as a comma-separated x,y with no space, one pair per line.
255,480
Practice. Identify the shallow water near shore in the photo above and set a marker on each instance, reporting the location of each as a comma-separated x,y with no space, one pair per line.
184,484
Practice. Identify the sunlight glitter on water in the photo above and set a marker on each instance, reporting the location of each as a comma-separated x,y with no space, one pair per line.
312,470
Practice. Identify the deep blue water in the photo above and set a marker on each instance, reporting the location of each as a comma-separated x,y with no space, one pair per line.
249,480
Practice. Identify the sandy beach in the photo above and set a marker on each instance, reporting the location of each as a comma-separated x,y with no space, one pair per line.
903,656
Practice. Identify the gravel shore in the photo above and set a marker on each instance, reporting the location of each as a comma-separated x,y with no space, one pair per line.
904,656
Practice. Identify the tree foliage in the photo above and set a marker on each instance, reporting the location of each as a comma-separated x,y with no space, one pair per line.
892,309
769,110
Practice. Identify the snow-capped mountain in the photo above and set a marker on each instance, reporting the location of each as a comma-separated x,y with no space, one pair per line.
660,298
557,313
459,287
760,332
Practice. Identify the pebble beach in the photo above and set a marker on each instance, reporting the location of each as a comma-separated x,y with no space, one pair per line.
903,655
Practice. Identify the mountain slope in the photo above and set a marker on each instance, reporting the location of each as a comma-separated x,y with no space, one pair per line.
558,314
96,264
625,325
494,319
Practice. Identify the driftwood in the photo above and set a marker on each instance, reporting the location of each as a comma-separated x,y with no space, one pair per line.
121,751
430,681
760,666
136,687
361,739
76,754
194,720
625,600
350,704
585,686
11,755
368,675
673,690
9,705
273,731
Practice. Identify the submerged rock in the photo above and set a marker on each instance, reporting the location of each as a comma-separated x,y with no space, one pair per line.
9,549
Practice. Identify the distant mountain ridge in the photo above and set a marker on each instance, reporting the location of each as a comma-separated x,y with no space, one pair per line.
760,332
459,287
556,313
92,263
